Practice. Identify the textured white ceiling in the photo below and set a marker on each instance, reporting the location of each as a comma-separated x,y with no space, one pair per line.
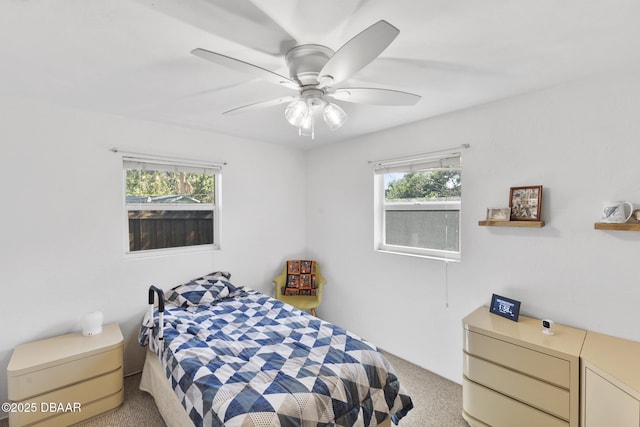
132,57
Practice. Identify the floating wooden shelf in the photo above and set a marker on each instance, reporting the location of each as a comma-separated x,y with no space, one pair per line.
628,226
522,224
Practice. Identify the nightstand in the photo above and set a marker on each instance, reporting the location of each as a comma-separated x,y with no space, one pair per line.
66,379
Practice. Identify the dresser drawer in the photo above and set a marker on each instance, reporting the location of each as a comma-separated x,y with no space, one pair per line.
530,362
498,410
76,396
65,419
539,394
22,387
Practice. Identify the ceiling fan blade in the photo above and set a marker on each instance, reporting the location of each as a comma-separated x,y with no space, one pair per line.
318,21
261,104
363,95
239,20
357,52
245,67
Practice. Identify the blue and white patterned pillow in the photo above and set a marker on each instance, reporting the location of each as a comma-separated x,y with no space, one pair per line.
217,275
204,290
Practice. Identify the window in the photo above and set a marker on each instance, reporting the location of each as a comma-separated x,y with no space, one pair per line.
418,206
170,204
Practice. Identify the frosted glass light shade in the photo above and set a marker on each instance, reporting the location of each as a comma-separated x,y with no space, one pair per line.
307,127
334,116
297,111
92,324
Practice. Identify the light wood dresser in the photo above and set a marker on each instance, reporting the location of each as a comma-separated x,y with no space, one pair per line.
66,379
610,381
514,375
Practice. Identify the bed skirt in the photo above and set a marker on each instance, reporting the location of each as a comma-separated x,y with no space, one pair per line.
155,382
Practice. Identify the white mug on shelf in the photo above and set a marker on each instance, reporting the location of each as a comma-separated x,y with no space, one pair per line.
614,212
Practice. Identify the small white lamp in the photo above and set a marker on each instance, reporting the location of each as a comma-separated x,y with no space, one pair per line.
92,323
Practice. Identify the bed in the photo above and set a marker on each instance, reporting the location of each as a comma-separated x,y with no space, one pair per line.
223,355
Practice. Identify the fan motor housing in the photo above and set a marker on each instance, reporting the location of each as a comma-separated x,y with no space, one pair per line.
306,61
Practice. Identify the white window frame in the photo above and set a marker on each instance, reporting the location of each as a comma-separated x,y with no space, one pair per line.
381,206
179,165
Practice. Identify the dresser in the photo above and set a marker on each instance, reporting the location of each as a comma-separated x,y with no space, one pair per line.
66,379
610,381
515,375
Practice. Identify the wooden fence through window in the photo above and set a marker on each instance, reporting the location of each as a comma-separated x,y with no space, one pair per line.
169,229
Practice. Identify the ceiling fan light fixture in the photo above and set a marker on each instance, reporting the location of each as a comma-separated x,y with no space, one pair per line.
333,115
308,127
297,112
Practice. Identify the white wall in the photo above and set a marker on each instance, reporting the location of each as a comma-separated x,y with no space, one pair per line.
581,141
62,249
62,239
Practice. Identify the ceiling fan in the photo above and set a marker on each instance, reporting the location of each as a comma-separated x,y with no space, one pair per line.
316,72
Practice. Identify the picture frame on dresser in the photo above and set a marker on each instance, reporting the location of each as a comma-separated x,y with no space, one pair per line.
525,203
505,307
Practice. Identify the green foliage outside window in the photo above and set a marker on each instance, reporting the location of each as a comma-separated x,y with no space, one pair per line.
423,186
148,183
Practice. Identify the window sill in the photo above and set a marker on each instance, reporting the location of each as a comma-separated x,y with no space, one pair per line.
158,253
446,257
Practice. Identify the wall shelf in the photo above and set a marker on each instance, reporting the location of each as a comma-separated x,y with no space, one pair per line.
611,226
522,224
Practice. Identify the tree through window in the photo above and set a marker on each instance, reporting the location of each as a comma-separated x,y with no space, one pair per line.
419,207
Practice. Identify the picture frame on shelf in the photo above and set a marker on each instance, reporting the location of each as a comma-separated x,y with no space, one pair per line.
525,203
498,214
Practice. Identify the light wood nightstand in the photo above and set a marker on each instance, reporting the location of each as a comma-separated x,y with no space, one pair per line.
63,380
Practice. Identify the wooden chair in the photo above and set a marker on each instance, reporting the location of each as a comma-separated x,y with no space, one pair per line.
302,302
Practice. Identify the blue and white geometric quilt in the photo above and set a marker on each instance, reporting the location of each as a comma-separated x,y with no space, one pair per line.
251,360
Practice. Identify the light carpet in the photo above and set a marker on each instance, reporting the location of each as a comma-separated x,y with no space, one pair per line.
437,402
